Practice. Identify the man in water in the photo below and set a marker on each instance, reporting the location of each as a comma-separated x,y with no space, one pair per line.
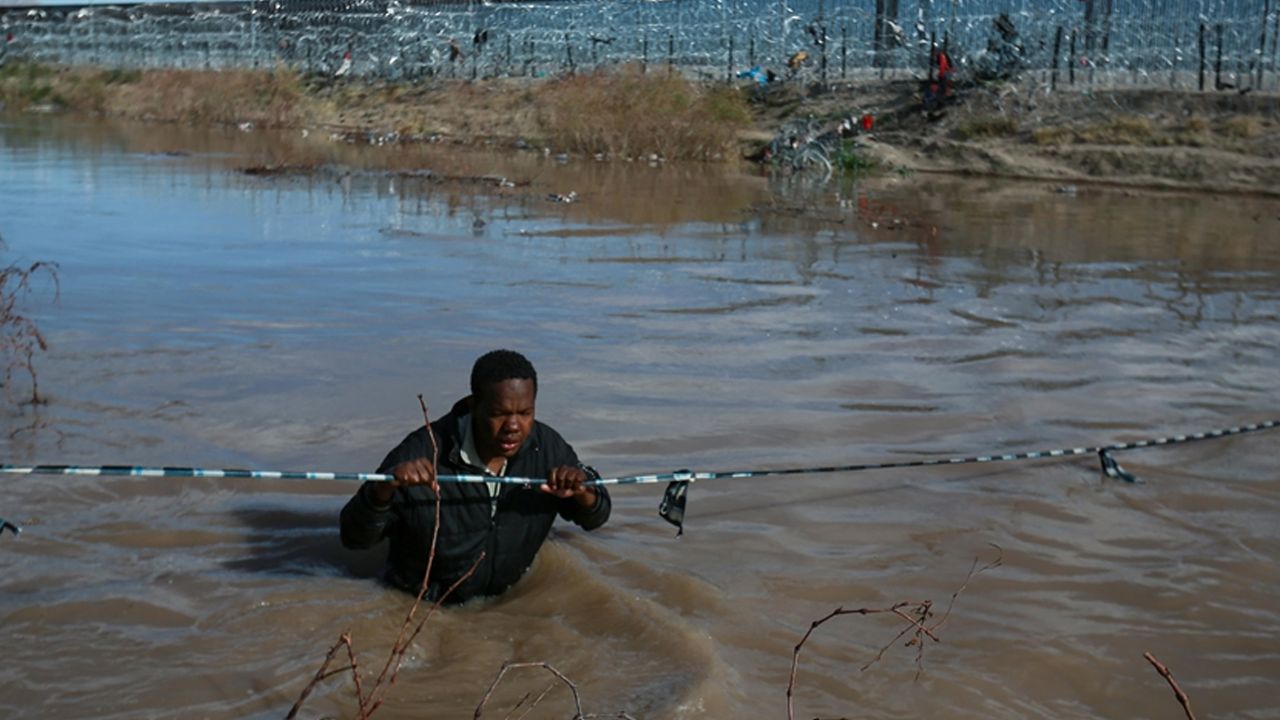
490,432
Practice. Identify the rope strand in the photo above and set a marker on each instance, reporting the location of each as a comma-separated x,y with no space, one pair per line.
672,508
679,475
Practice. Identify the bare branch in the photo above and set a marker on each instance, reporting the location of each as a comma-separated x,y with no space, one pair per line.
400,645
974,570
321,674
914,613
1177,691
398,653
577,701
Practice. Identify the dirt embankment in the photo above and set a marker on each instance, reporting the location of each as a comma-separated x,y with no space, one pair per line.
1219,141
1149,137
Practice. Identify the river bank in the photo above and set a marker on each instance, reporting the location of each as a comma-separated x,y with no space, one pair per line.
678,318
1137,136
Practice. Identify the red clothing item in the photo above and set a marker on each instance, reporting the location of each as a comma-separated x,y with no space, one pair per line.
944,65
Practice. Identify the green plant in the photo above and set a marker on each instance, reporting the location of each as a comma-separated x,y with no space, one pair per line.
849,161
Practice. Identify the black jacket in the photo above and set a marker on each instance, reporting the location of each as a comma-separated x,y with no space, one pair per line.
510,538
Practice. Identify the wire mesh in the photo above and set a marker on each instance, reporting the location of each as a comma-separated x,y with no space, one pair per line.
1179,42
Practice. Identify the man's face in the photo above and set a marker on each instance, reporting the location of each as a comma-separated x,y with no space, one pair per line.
502,418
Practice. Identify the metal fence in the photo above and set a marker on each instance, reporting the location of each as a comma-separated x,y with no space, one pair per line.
1213,43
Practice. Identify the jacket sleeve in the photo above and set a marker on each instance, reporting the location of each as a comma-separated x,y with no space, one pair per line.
364,522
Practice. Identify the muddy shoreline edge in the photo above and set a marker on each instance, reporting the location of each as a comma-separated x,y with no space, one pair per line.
1140,137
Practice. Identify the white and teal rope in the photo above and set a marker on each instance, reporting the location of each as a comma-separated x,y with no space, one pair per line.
1109,467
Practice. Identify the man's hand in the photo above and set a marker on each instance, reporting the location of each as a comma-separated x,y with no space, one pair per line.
567,481
410,472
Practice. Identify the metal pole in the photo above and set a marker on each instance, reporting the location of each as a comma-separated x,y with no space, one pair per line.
1057,50
1262,40
1217,65
1071,59
844,50
729,69
1203,29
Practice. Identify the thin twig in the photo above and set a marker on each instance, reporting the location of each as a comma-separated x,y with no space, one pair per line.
1177,690
920,631
355,673
368,704
795,654
321,674
399,645
577,701
20,338
399,655
532,705
973,571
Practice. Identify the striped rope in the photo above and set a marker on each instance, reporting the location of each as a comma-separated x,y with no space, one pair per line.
680,475
1110,467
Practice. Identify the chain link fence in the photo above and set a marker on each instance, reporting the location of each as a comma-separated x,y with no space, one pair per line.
1185,43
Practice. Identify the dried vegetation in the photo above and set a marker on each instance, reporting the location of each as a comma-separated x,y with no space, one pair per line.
623,112
20,338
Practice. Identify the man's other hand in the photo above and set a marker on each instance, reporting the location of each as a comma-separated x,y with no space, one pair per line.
568,481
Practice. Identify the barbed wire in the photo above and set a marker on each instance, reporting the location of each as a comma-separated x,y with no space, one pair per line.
1105,41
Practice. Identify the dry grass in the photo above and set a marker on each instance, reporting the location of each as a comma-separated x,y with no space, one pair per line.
1243,127
273,98
623,113
1120,130
631,114
23,85
1136,130
988,126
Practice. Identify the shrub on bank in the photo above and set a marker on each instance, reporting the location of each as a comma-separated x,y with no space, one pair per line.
629,113
269,98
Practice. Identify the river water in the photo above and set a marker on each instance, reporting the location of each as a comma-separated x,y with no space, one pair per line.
679,318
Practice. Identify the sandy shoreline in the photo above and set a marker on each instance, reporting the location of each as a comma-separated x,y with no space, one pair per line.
1134,137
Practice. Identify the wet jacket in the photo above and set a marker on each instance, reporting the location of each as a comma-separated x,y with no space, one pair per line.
509,537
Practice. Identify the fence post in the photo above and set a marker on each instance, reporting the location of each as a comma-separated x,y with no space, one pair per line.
1071,60
568,52
644,54
730,67
822,29
1262,40
933,47
1203,29
1275,40
1217,63
1057,50
844,50
671,52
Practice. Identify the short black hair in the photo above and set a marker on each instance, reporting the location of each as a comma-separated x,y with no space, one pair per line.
499,365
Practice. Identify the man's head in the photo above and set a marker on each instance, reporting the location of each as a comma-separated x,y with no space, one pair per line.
504,386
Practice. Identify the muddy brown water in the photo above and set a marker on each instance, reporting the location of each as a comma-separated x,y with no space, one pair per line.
679,318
